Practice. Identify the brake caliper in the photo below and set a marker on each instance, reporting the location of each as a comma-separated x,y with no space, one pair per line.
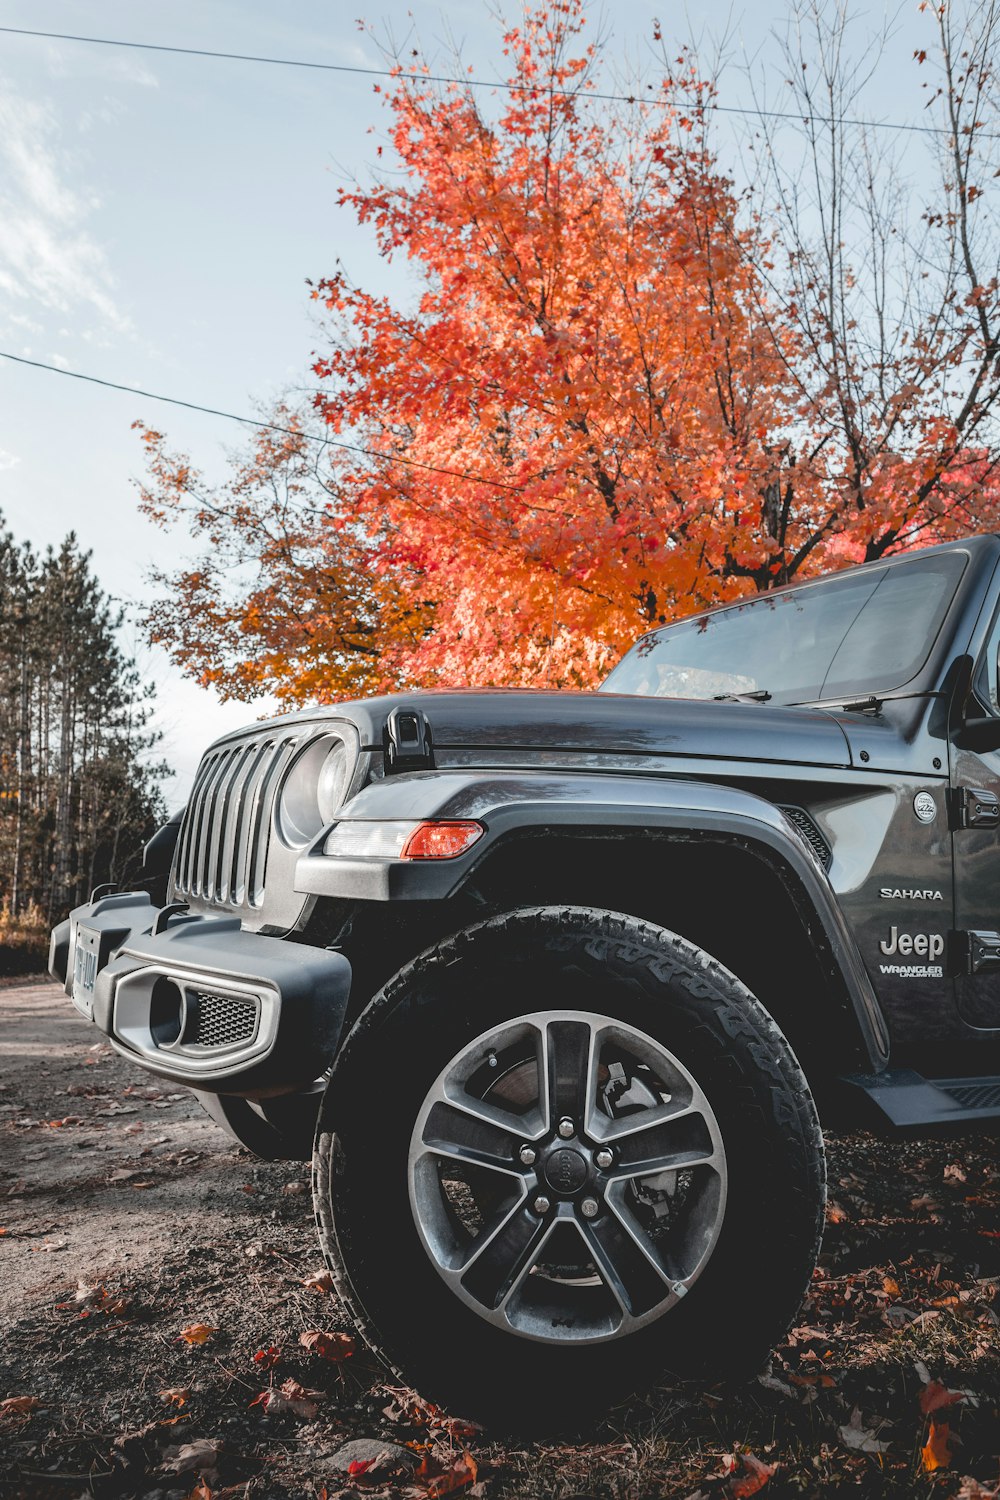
655,1199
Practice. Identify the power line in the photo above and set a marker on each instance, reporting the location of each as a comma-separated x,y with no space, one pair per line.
475,83
230,416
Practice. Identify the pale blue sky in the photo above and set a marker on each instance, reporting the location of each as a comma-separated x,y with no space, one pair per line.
159,216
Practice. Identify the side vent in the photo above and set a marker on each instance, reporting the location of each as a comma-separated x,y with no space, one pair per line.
810,834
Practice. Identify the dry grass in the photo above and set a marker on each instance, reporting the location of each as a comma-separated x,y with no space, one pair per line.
24,940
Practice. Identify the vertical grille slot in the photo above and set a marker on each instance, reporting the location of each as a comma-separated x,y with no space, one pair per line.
191,831
253,774
260,827
222,852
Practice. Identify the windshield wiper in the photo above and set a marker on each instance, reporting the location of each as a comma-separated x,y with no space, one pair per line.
760,696
871,705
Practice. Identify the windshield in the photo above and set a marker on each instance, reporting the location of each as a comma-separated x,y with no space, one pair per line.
855,633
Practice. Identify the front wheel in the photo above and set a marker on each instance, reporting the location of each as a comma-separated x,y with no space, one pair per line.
563,1156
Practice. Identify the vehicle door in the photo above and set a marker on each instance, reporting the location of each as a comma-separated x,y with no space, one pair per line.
975,820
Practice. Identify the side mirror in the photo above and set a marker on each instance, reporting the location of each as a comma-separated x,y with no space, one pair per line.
980,732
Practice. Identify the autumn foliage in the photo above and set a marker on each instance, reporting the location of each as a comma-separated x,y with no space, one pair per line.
621,393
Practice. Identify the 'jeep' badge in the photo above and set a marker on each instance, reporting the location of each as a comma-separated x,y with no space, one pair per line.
925,807
923,944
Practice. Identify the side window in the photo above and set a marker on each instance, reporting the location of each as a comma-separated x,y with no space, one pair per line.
986,683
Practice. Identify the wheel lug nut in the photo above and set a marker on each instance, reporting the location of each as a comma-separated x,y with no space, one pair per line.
566,1127
590,1208
526,1156
604,1158
541,1205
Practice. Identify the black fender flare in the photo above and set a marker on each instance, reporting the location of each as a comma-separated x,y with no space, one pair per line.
510,802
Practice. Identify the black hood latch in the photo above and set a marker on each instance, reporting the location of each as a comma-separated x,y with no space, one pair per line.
407,742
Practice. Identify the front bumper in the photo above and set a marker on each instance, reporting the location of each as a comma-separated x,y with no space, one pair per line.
201,1002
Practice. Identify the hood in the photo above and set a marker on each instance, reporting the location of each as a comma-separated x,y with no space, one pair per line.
606,724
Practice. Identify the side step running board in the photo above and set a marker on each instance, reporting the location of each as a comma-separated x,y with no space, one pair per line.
910,1102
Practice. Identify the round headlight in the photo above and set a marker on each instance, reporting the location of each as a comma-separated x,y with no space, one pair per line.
334,778
313,790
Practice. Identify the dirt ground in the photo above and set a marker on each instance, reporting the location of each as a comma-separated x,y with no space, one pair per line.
126,1217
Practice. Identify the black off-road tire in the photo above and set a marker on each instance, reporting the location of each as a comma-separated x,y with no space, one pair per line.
583,960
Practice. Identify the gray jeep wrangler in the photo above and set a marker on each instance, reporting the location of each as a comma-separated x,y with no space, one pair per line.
556,987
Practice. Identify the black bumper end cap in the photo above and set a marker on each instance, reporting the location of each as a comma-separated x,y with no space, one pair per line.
59,951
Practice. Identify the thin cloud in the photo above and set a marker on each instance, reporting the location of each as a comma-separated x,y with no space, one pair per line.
8,460
49,259
130,70
99,63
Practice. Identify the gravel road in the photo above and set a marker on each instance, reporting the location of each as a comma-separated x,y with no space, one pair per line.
127,1217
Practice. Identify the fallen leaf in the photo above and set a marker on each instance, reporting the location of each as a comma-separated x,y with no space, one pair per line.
201,1491
827,1382
954,1173
95,1299
290,1396
835,1214
772,1383
748,1474
176,1395
197,1333
268,1358
411,1410
891,1286
17,1406
335,1347
361,1465
437,1482
136,1435
860,1439
201,1454
936,1453
321,1282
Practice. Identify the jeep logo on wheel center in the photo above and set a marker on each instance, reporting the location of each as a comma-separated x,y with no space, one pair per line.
566,1170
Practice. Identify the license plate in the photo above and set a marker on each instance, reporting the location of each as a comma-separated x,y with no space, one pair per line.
88,947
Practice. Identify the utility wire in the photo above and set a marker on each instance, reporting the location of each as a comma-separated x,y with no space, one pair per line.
231,416
474,83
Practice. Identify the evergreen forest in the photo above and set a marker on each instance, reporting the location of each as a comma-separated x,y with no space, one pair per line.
79,779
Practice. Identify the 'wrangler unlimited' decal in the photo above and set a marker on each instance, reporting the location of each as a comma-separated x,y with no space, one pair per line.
926,945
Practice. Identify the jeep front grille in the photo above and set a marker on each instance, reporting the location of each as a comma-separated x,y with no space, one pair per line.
222,850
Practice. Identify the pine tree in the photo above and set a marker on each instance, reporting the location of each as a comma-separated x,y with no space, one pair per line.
79,791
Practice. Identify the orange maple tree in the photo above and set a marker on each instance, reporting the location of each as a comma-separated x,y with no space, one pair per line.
614,400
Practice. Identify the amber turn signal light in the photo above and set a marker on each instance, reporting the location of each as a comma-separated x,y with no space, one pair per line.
441,840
